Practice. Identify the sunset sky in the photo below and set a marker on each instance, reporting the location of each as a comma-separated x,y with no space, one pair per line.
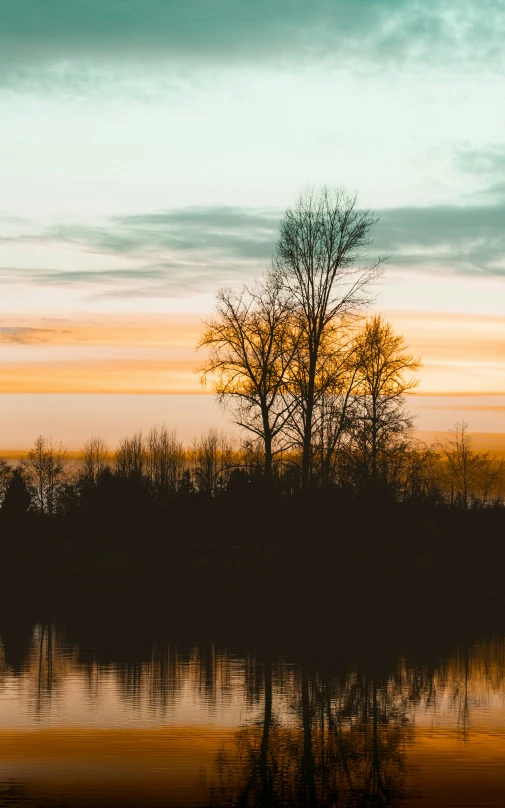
150,149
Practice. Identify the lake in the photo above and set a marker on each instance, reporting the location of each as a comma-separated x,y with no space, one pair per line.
153,718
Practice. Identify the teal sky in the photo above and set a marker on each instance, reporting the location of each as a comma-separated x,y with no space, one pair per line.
150,146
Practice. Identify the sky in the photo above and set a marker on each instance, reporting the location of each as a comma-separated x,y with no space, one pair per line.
150,149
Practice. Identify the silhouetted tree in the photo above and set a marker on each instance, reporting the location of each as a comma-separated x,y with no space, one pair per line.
93,461
186,483
164,462
333,398
251,343
470,477
17,497
129,458
46,472
212,462
380,422
318,264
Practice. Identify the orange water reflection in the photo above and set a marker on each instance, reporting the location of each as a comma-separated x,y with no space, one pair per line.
203,726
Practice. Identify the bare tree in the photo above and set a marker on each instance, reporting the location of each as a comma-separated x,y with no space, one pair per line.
251,343
321,266
470,477
380,421
213,462
46,472
413,471
336,375
164,462
129,457
492,472
93,462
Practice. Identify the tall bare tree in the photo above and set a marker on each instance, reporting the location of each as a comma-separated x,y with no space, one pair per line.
321,265
251,343
46,472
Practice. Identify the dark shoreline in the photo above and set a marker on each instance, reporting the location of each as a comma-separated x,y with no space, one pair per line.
311,584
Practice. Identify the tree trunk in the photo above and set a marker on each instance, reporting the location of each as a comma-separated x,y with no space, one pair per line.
307,431
374,446
267,439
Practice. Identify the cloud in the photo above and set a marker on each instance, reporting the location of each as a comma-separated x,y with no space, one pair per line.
20,335
59,41
467,240
182,251
172,252
222,231
488,164
485,161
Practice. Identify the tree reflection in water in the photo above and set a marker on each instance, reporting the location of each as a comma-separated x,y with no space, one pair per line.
305,735
340,744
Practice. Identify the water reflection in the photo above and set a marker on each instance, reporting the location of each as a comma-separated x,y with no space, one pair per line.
338,743
201,725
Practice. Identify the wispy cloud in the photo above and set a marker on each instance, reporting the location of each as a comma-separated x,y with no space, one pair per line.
172,251
21,335
184,250
222,231
486,161
465,240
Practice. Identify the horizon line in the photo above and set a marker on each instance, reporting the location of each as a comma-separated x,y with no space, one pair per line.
196,392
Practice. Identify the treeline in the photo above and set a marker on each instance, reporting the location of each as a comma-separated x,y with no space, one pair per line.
318,388
151,470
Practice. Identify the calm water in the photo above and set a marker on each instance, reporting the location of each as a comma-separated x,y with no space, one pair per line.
200,725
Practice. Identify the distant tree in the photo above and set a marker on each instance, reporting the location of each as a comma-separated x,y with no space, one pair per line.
93,462
251,343
5,478
469,477
45,469
212,462
129,458
381,424
413,471
321,266
17,497
164,462
69,497
186,483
